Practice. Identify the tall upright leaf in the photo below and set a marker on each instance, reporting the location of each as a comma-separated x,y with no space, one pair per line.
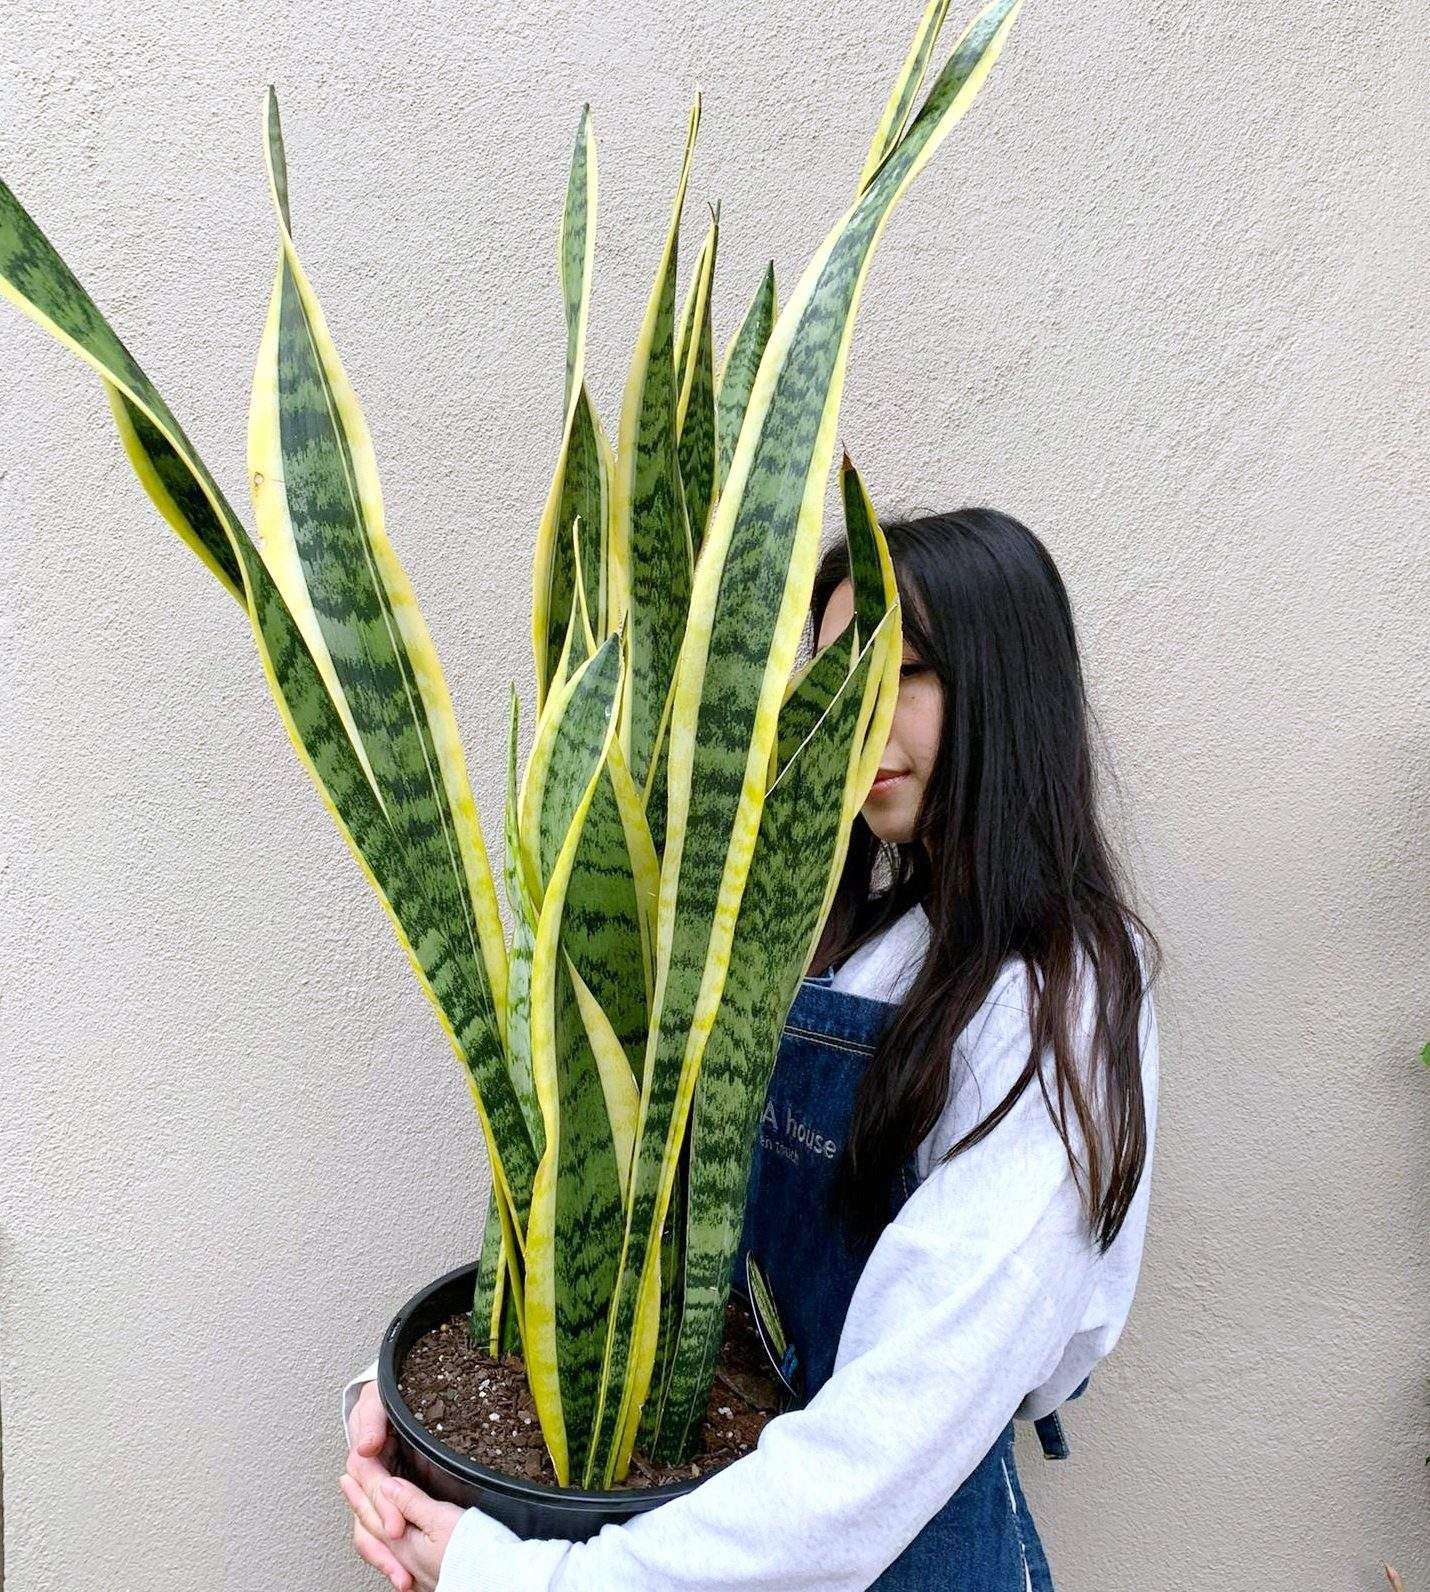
572,1245
581,484
780,914
737,370
650,547
695,411
825,726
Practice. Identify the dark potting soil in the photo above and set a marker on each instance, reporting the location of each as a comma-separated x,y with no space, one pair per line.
483,1407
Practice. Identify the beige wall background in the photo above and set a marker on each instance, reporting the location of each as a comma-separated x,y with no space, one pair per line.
1162,295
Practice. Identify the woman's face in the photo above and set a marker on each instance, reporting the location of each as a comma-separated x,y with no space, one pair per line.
892,807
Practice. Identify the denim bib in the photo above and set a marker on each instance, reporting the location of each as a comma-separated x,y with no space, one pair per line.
983,1539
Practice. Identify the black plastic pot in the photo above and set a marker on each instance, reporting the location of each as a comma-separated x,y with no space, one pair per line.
525,1507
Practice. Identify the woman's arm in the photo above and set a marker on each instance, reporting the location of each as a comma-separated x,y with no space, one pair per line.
967,1302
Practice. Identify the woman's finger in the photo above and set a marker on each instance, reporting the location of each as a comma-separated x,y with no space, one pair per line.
362,1507
370,1474
380,1557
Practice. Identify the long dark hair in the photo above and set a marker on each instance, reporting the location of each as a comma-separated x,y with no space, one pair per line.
1009,861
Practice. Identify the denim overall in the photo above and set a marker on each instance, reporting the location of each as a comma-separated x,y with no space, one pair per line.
983,1539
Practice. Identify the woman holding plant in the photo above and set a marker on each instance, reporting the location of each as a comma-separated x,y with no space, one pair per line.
977,1036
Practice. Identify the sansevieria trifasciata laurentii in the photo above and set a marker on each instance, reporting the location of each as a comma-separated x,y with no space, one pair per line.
672,844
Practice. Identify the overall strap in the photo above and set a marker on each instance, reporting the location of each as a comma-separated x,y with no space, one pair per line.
1049,1427
1050,1434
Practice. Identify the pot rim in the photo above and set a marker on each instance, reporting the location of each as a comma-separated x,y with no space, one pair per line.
440,1454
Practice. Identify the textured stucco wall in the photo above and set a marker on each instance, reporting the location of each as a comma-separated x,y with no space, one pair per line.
1161,295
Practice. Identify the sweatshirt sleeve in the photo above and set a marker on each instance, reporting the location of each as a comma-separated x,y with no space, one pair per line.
967,1301
350,1397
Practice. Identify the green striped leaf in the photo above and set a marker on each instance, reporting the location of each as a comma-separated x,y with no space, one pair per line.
737,370
36,279
496,1305
748,607
769,1326
576,750
574,652
650,546
585,494
867,555
573,1237
654,797
763,1305
718,1126
521,903
905,90
809,698
695,412
581,484
321,520
876,594
174,489
672,1302
604,932
39,283
618,1083
576,248
494,1326
492,1314
781,911
484,1325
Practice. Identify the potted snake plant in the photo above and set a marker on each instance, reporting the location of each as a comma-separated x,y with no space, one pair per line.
672,843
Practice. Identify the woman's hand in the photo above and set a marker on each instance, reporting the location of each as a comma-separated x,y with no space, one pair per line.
397,1528
427,1529
374,1516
